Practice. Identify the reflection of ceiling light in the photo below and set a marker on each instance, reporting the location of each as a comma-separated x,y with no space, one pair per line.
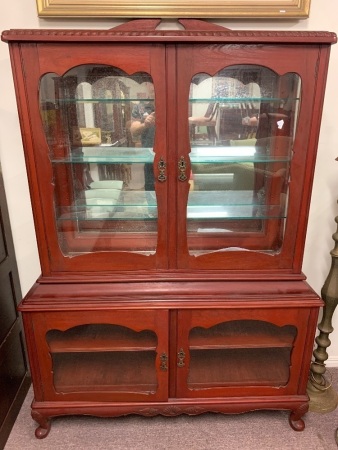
280,124
197,212
201,215
224,151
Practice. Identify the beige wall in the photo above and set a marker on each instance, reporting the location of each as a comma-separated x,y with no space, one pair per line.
323,16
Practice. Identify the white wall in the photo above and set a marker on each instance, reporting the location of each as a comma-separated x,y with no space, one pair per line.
323,16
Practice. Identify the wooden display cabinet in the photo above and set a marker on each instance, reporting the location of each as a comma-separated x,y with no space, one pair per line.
170,176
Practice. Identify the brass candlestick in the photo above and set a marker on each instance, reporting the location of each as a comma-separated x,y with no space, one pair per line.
323,398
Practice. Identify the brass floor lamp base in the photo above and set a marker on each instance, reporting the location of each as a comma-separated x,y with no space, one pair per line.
323,399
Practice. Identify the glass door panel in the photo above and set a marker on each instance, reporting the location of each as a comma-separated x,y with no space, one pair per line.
242,127
99,123
103,358
240,353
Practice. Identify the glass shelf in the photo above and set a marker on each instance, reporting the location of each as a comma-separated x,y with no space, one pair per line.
235,212
191,100
229,154
106,154
197,213
202,205
101,100
243,100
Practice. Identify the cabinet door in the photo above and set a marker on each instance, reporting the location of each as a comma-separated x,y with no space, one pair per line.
99,160
99,355
243,152
242,352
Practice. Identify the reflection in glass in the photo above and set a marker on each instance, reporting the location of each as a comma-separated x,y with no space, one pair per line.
101,150
240,158
240,352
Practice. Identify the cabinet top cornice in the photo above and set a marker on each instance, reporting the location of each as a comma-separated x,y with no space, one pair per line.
145,31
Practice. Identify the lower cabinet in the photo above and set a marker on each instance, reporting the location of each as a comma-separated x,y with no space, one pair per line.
110,362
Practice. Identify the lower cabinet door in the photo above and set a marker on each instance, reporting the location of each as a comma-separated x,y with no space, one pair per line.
234,352
100,355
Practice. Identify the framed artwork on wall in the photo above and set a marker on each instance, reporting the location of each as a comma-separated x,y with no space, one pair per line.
281,9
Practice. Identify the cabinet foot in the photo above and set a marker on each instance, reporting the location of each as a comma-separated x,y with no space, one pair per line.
295,419
43,429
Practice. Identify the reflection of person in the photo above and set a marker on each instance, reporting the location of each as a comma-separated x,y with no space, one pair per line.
271,123
143,127
143,123
250,121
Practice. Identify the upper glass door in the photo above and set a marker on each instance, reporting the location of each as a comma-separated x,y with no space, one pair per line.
241,158
99,124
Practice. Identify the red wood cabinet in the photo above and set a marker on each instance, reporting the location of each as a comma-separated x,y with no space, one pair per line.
170,176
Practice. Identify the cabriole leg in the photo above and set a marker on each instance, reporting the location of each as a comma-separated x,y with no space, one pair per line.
44,422
295,419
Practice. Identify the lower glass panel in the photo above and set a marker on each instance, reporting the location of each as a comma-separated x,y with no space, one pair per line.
240,367
105,371
103,358
245,353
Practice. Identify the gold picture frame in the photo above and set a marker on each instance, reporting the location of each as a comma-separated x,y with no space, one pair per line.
240,9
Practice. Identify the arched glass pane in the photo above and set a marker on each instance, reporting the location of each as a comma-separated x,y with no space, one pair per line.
103,358
99,125
240,353
242,127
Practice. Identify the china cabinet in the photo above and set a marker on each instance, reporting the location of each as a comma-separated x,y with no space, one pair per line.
170,175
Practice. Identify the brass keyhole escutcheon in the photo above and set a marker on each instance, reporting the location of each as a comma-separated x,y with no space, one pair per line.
182,166
181,356
162,168
164,362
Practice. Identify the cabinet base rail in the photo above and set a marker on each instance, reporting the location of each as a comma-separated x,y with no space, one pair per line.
43,412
